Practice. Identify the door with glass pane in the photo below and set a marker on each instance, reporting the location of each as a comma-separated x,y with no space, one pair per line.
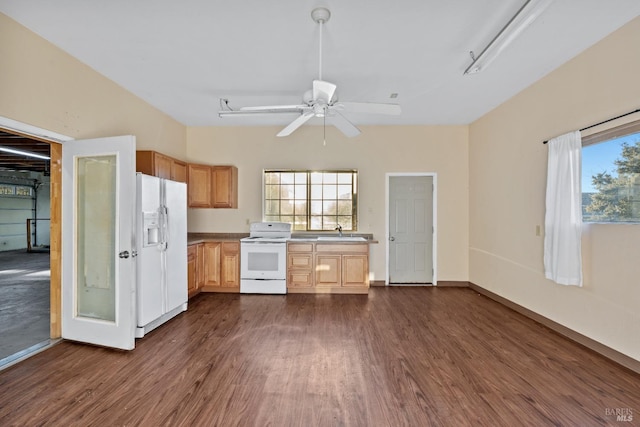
98,278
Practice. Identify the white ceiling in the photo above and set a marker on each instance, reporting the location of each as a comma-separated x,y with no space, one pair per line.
183,56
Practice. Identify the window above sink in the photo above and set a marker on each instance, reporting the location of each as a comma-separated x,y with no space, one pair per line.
311,200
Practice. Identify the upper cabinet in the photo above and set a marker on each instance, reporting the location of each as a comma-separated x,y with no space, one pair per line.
178,171
207,186
157,164
225,187
212,186
199,187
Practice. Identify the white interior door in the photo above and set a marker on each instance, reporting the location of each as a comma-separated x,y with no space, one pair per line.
411,230
98,265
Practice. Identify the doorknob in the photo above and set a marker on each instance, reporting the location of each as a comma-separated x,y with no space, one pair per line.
124,254
392,239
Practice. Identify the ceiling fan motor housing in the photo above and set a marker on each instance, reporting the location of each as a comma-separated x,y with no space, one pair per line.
320,14
307,98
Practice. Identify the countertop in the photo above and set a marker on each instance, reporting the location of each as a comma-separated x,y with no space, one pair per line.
194,238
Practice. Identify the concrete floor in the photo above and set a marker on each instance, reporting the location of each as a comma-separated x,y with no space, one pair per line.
24,300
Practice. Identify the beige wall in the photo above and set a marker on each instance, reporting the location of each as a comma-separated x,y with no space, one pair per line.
377,151
507,173
43,86
491,176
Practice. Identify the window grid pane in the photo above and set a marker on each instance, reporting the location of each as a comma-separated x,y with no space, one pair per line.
311,200
611,180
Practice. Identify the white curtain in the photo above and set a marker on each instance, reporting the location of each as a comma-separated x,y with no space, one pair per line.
563,218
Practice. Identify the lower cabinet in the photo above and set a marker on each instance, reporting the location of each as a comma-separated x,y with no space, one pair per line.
195,268
192,270
355,270
230,265
221,267
300,265
328,268
213,267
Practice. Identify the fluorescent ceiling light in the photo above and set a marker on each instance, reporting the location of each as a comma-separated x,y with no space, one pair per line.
24,153
521,20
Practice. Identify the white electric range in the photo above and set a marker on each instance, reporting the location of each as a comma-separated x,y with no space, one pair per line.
263,258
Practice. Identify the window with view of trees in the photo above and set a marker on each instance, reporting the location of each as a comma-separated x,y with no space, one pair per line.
611,175
312,200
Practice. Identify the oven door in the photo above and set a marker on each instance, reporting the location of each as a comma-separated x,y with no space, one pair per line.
263,261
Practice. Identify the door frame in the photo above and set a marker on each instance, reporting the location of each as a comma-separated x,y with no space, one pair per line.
434,236
55,140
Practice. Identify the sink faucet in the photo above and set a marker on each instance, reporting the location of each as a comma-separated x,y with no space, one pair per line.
339,228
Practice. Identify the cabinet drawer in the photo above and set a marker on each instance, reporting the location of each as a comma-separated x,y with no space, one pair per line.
300,279
300,261
300,247
342,248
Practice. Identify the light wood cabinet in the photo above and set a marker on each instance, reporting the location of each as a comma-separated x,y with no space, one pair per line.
328,270
221,267
192,270
328,267
178,171
212,264
300,265
195,268
200,266
355,270
199,186
157,164
225,187
212,186
230,265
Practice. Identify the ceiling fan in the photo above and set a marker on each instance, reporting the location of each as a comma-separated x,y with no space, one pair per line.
320,101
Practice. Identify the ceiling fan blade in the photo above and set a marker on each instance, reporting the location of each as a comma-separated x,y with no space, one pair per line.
369,107
344,125
274,108
323,90
296,124
238,113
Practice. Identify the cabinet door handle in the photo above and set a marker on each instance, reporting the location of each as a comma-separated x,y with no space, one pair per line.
124,254
392,239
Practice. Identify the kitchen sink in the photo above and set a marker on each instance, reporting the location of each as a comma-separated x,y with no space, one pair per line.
341,239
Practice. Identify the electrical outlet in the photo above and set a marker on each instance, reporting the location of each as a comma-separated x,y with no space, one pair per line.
248,221
538,230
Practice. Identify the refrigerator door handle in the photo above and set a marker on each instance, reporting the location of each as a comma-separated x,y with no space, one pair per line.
165,227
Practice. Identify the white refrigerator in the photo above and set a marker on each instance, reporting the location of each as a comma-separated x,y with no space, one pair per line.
161,251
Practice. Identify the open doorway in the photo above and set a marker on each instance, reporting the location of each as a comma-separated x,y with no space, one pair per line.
25,245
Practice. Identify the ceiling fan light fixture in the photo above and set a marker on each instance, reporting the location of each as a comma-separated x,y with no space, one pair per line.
528,13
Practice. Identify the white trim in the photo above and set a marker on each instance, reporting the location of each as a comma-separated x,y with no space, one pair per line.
434,242
30,130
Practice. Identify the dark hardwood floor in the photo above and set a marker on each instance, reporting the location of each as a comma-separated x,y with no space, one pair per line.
399,357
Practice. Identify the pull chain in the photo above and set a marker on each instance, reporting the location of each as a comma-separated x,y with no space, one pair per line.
324,129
